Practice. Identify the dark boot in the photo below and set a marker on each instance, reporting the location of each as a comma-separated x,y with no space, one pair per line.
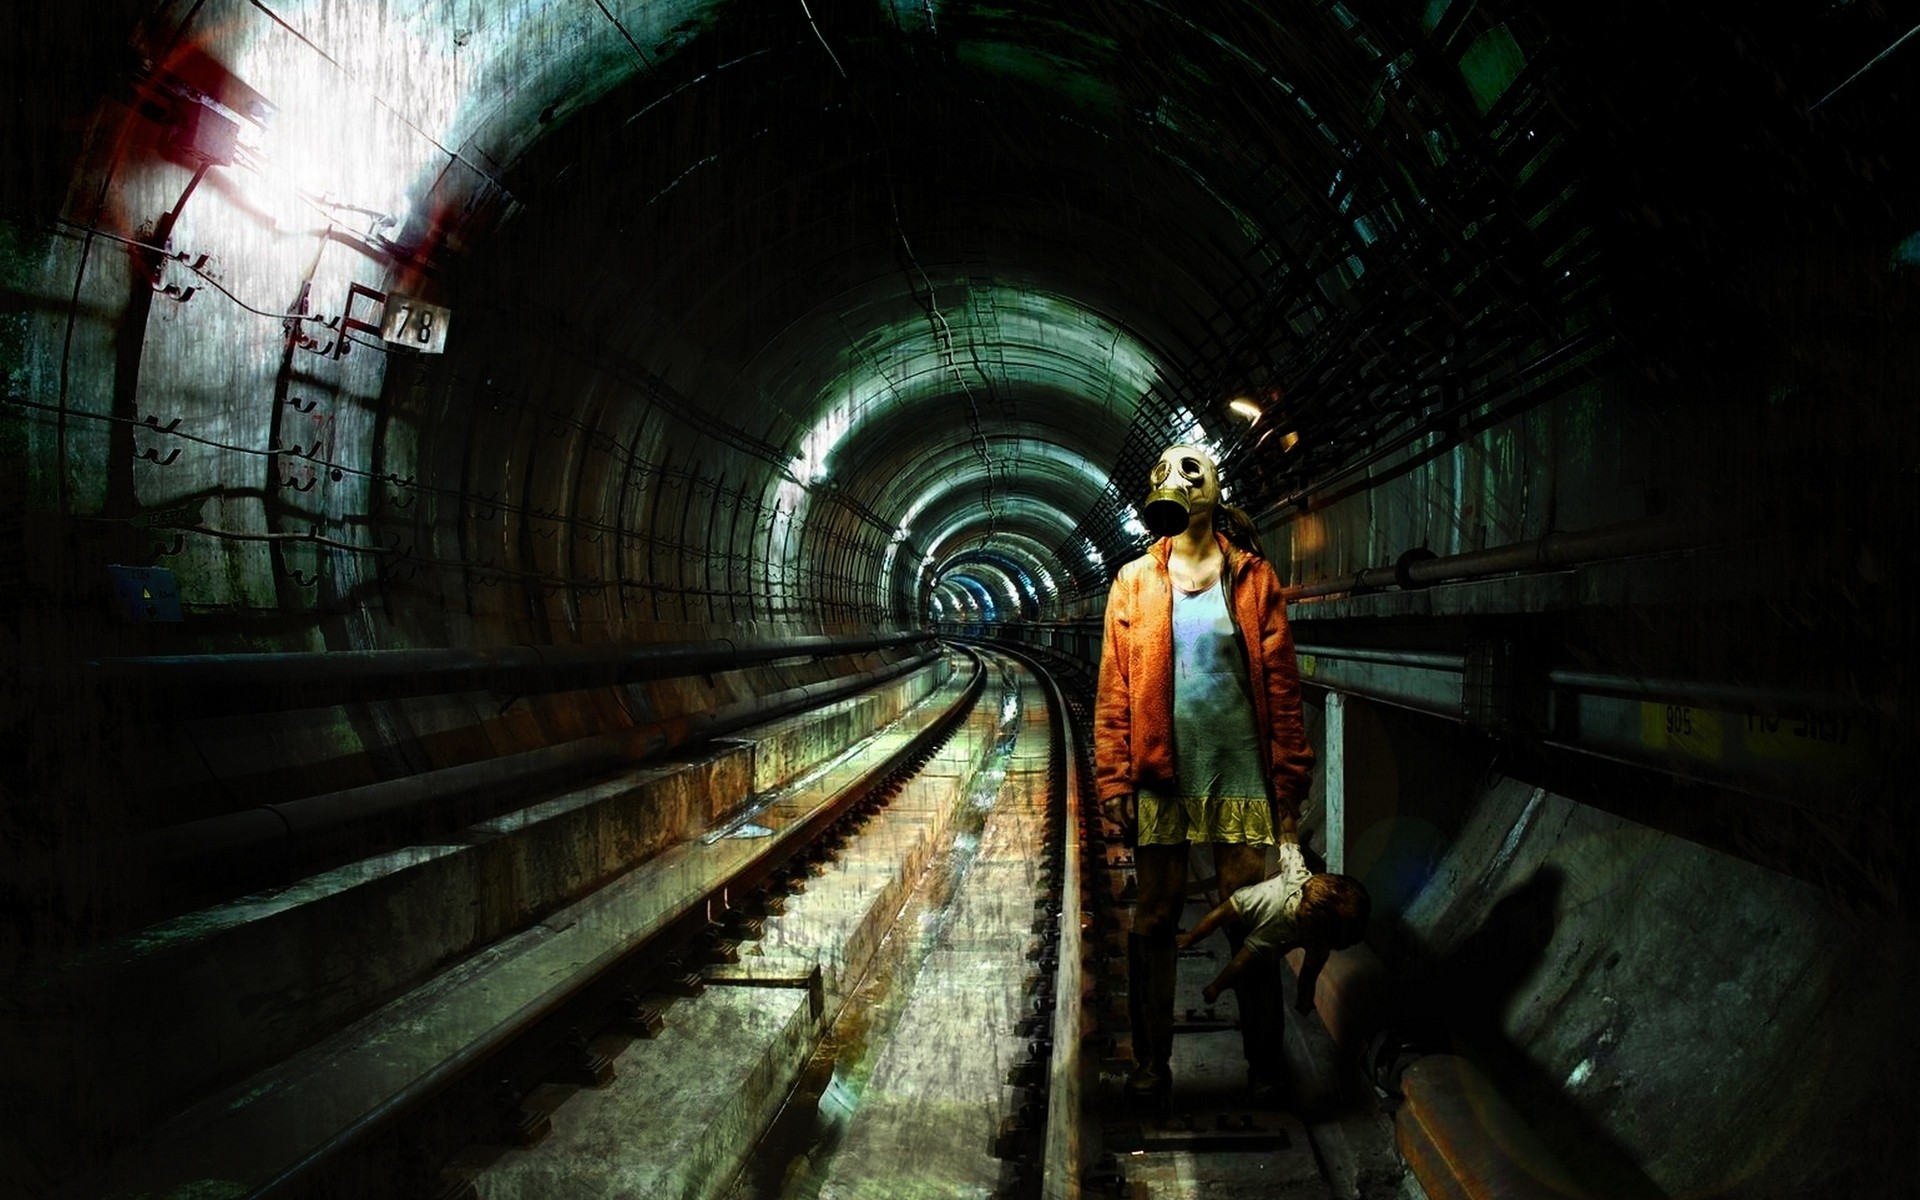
1262,1025
1150,977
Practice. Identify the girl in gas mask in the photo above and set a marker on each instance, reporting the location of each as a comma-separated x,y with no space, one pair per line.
1198,738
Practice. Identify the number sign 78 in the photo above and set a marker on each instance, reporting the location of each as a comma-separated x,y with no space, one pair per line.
415,324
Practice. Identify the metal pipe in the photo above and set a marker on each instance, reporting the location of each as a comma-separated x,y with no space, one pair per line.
1458,1134
1648,535
215,684
301,826
1394,658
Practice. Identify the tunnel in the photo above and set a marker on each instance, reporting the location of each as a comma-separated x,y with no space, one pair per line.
412,411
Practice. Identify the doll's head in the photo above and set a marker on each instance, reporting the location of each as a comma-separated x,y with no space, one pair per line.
1333,911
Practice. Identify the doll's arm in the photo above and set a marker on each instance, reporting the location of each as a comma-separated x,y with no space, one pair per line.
1314,958
1222,913
1241,960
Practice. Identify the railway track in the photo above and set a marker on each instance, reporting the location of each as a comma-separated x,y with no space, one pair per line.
899,974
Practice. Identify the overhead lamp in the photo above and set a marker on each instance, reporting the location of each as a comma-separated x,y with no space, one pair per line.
1245,408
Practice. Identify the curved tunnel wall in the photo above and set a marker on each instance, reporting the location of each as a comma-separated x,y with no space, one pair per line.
771,324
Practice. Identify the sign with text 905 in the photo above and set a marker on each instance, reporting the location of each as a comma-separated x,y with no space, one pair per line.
415,324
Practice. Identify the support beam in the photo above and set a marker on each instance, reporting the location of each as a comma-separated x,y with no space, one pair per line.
1336,782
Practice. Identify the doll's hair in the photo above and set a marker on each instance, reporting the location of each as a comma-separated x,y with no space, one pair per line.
1334,909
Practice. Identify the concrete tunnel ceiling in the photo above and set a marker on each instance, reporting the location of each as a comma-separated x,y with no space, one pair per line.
875,285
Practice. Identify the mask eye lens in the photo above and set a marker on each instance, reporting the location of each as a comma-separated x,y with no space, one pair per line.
1190,467
1159,475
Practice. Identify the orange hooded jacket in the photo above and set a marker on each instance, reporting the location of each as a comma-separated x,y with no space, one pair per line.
1133,710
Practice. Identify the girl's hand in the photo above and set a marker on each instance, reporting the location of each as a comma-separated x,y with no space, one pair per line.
1124,810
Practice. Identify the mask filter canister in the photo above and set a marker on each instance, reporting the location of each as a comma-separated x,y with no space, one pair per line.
1166,511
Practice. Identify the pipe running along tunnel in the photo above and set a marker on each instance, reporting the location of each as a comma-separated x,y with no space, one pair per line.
409,410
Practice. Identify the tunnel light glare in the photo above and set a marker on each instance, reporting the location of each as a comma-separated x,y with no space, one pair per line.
304,162
917,507
1130,524
1245,408
821,441
1093,555
274,198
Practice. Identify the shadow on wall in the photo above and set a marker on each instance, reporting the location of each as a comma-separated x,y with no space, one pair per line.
1463,993
1455,1004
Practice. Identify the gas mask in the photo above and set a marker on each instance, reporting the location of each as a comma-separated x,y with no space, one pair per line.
1179,479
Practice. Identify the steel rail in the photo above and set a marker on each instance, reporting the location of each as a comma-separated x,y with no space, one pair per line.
1065,1156
1064,1146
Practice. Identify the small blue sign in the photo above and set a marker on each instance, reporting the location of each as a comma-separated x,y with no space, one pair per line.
145,593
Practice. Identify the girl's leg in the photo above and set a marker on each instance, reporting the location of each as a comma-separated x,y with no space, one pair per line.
1161,873
1256,985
